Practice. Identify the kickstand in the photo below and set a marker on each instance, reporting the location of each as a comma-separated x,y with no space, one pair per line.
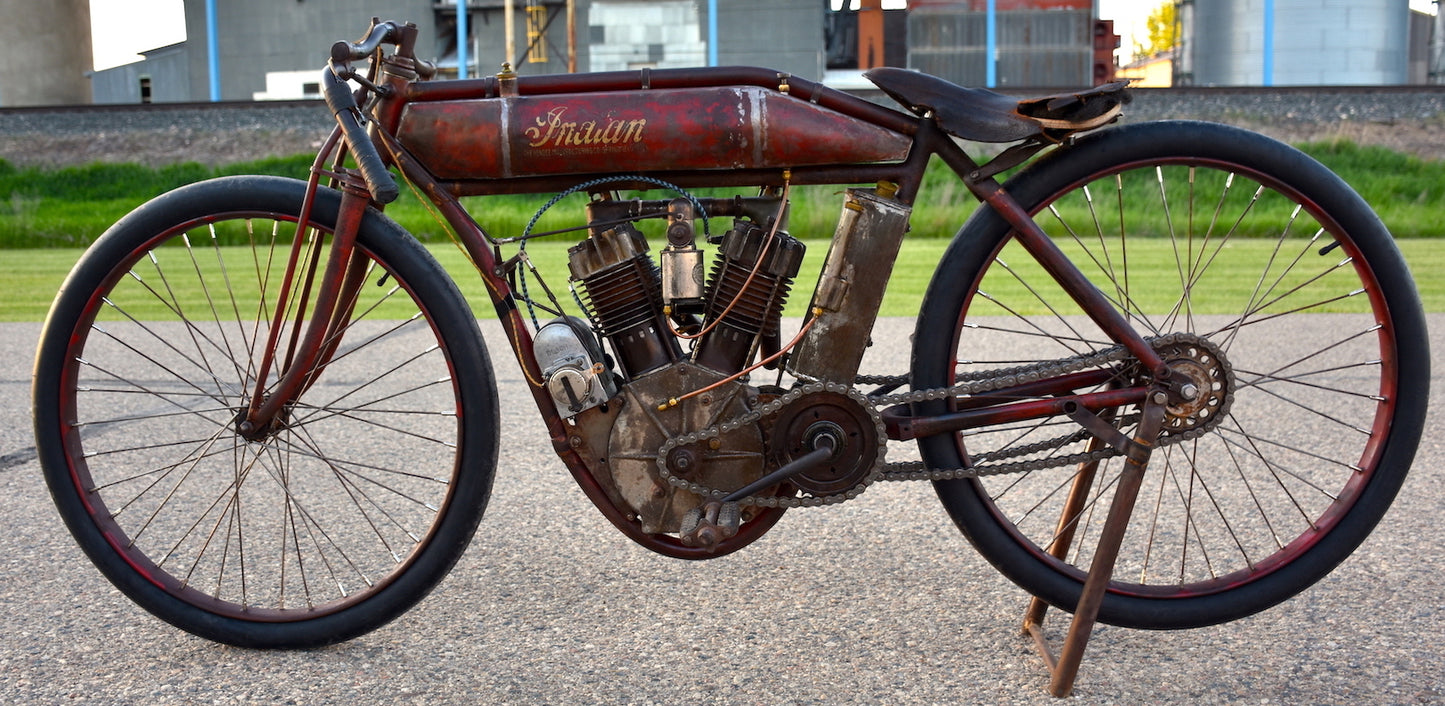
1065,668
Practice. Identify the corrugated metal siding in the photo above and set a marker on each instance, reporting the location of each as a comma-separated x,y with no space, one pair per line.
1035,48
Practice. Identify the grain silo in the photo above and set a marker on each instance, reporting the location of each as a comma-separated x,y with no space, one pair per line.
1300,42
45,53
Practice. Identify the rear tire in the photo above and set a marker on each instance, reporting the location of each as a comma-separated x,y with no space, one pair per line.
1212,231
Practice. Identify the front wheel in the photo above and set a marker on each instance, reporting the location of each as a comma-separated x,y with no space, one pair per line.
1253,266
341,515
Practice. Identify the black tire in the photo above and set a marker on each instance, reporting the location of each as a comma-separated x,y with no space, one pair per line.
1273,261
329,527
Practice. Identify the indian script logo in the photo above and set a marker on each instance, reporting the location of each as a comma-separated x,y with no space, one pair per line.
553,131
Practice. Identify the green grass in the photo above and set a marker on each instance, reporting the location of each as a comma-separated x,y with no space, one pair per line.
31,277
71,207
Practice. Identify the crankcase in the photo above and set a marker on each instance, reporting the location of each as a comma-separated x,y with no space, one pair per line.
727,461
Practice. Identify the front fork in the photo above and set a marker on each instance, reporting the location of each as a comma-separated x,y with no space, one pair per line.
307,354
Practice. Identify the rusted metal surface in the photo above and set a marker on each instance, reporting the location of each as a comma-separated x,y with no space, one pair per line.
850,290
660,130
902,427
642,429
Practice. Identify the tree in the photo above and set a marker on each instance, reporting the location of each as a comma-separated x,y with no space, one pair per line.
1161,32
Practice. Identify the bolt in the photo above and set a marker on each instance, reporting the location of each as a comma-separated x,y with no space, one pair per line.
1160,398
1189,391
575,442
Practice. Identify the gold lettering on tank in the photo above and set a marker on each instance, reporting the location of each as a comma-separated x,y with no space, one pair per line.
554,131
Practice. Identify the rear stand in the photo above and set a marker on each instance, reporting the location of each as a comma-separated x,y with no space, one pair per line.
1065,668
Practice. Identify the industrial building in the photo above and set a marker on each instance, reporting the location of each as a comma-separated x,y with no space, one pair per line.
284,43
272,49
1038,43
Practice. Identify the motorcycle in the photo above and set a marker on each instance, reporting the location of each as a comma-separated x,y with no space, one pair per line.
1167,375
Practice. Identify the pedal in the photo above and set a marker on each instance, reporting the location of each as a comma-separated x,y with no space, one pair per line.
707,525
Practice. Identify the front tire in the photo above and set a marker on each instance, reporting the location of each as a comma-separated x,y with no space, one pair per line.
329,526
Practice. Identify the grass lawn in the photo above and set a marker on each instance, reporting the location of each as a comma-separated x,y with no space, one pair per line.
31,277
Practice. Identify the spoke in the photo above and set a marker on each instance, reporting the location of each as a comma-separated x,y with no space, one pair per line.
311,522
350,477
1039,333
1275,374
1303,452
1106,267
1253,496
352,492
1313,411
157,415
1037,297
190,327
145,447
1238,323
306,452
1257,295
200,453
1274,468
1204,264
215,314
181,378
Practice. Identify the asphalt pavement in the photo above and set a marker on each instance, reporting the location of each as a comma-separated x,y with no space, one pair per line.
879,600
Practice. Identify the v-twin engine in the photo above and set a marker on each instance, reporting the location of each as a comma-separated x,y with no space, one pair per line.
644,312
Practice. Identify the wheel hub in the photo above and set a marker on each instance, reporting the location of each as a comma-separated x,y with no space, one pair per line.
1201,383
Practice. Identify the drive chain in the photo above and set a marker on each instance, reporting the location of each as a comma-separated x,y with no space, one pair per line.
974,384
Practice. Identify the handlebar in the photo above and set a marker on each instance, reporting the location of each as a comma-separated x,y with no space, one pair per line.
381,33
343,105
401,36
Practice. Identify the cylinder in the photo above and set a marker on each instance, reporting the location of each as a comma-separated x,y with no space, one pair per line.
743,309
624,290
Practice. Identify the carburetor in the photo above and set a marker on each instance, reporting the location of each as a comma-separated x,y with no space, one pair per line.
573,365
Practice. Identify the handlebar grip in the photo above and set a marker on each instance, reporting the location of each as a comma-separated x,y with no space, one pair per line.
338,97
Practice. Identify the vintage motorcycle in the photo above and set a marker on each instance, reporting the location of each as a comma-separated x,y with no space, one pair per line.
1168,375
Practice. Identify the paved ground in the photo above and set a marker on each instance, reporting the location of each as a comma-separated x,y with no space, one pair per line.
878,601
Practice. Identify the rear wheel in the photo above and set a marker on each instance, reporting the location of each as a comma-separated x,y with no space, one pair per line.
1276,283
329,525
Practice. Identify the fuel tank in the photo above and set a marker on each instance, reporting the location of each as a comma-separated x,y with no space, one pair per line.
728,127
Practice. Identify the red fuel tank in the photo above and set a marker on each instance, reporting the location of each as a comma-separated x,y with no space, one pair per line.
733,127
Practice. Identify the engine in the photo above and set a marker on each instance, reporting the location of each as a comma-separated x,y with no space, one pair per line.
644,313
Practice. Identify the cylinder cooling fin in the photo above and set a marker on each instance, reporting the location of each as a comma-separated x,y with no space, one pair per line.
746,292
622,287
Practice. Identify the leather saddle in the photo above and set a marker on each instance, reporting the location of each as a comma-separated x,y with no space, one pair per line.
981,115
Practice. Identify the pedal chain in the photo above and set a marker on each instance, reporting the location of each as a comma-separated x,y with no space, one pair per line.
976,383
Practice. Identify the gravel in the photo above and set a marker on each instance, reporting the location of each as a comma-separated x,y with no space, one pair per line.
877,600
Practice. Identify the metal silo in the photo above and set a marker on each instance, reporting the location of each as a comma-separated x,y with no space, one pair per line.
44,52
1300,42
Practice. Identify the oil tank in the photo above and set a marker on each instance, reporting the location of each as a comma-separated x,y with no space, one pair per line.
45,52
1315,42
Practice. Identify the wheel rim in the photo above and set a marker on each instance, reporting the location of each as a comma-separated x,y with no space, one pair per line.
1307,334
316,517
